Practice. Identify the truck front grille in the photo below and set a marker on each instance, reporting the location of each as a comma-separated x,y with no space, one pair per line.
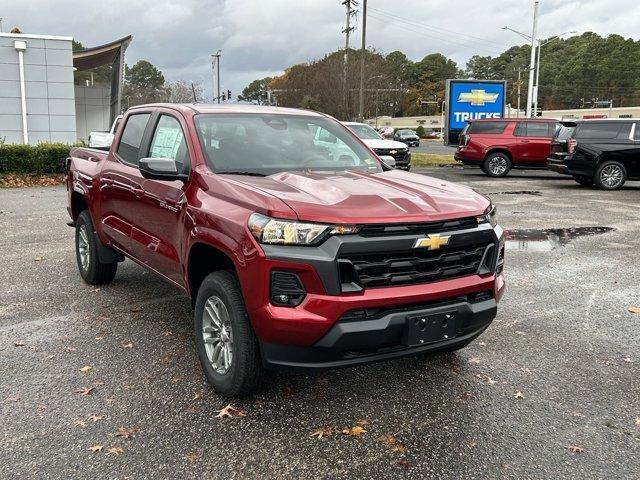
413,266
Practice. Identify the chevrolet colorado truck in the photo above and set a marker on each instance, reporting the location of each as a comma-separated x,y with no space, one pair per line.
294,256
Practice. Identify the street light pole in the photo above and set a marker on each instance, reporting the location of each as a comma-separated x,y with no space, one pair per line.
540,44
362,52
217,71
532,62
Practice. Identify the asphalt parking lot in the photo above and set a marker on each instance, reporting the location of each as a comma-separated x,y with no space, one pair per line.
550,390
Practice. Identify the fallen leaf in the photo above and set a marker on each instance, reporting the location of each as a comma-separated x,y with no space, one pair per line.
354,431
627,359
363,422
96,448
177,379
127,345
86,368
404,464
577,414
115,451
167,333
85,391
19,343
519,394
472,444
198,395
194,409
231,411
324,432
126,432
637,421
634,309
94,418
39,259
70,349
192,456
136,310
486,379
574,448
80,423
475,360
455,369
394,445
468,396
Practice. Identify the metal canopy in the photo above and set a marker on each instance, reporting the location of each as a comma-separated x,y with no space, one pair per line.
107,54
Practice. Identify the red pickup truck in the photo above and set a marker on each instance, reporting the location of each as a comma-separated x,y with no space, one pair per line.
296,253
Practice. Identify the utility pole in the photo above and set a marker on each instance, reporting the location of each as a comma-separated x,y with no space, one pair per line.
347,31
519,85
362,52
215,67
532,63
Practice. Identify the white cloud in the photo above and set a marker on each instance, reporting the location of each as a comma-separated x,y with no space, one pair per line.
262,37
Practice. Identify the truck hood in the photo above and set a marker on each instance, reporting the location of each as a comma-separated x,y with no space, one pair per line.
351,197
376,143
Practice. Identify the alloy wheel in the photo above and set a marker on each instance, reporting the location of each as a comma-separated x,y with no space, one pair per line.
83,247
611,176
498,165
217,334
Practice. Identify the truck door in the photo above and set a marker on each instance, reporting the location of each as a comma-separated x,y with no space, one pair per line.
159,232
121,184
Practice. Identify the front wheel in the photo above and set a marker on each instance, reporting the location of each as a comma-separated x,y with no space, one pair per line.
225,341
586,181
497,164
610,175
92,270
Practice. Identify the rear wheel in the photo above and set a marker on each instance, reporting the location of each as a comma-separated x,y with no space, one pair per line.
92,270
610,175
226,343
497,164
586,181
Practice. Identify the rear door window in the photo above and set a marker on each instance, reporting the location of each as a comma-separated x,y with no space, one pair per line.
603,131
636,136
487,127
538,129
129,146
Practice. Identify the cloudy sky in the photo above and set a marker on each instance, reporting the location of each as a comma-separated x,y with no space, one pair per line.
261,37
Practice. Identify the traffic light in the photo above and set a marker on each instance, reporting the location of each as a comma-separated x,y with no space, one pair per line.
228,94
224,96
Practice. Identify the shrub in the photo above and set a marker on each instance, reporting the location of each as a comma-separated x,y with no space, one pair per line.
420,131
41,159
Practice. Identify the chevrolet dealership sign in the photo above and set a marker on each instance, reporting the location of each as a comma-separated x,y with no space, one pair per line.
469,100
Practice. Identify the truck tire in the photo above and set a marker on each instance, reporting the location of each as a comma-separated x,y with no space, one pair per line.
582,180
610,175
92,270
225,341
497,164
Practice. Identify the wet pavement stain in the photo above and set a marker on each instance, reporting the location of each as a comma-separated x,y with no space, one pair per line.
537,193
545,240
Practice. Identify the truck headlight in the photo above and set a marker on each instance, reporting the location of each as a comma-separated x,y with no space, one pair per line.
287,232
489,216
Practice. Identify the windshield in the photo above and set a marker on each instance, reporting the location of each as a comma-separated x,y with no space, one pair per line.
365,132
268,144
406,132
564,132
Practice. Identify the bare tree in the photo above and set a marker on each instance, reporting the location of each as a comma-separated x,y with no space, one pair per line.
184,92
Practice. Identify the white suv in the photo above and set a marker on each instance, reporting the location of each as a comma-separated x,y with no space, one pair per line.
398,150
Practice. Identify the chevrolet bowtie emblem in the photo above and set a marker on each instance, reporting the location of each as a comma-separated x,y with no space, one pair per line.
432,242
478,97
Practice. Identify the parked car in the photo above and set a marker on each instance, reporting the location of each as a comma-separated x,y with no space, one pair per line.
381,146
407,136
104,139
498,145
292,258
605,153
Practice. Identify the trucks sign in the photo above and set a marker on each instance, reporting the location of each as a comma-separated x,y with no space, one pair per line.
469,100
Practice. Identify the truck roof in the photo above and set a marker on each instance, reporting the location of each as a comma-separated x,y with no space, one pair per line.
231,108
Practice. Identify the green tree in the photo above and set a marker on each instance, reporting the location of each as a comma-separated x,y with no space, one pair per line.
256,91
144,83
310,103
101,75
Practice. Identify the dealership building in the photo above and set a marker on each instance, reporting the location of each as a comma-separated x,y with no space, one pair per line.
39,101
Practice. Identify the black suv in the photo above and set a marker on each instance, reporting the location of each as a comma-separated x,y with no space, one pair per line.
408,136
605,153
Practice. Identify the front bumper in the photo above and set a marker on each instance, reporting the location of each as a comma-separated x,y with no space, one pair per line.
354,342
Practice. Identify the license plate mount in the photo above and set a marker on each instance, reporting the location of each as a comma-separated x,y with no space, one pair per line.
431,328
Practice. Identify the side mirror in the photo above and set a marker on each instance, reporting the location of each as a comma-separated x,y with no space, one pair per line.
160,169
388,161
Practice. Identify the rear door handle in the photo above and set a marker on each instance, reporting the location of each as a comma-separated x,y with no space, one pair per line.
137,190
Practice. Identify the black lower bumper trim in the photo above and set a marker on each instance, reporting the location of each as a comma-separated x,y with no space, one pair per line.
352,343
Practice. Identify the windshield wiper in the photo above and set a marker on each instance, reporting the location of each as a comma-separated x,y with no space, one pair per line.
235,172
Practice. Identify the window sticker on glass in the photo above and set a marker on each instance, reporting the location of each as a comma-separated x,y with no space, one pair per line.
166,143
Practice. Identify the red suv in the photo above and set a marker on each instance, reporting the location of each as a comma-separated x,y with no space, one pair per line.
498,145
